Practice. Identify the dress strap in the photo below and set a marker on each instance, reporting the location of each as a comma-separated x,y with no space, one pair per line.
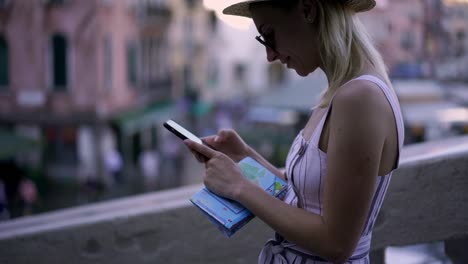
318,130
392,99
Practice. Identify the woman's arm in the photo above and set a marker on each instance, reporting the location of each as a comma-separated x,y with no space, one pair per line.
356,140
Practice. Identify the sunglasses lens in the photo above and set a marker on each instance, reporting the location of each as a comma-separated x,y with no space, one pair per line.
263,42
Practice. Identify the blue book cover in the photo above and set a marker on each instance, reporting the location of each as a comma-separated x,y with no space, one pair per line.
229,215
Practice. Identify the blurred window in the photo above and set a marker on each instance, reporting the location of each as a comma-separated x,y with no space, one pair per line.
55,2
164,58
460,36
4,3
407,40
460,45
61,147
413,17
277,74
4,71
107,2
189,36
213,73
188,77
132,61
213,21
145,62
190,3
108,63
240,72
59,62
153,61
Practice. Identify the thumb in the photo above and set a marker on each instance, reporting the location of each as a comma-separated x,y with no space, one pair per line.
200,148
211,140
224,135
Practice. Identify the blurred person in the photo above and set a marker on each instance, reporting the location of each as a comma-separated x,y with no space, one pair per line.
340,164
29,195
4,214
149,162
172,160
114,164
11,176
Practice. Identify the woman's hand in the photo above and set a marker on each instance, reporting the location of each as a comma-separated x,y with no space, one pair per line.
228,142
223,175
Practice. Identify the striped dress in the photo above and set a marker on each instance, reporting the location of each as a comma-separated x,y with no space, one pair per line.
306,167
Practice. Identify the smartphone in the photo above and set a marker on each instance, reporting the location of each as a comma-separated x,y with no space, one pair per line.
181,132
184,134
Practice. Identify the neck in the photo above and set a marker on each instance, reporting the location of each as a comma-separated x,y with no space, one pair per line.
368,69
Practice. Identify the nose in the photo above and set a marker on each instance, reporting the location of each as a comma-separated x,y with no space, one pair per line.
271,55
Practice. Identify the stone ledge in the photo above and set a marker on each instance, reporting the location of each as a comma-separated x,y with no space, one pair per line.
88,214
427,201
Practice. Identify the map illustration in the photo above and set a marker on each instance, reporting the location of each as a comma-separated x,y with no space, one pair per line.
230,215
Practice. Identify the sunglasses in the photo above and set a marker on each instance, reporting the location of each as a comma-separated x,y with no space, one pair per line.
264,42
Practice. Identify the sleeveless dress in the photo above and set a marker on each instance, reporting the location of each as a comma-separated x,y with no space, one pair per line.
306,170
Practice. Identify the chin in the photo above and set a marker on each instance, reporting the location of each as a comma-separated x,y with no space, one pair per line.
302,73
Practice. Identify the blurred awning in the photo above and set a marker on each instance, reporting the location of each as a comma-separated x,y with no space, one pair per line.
201,108
153,115
459,94
418,91
12,144
272,115
434,113
298,95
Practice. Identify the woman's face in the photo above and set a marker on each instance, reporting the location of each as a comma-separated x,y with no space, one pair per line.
293,35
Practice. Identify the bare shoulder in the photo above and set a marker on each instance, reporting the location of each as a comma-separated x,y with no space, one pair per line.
361,97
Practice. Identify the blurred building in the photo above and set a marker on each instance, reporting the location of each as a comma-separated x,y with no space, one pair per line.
429,110
86,77
410,36
398,31
434,36
455,25
238,67
190,32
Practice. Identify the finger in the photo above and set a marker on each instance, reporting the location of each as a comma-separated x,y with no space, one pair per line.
225,134
200,148
197,156
209,145
210,139
201,158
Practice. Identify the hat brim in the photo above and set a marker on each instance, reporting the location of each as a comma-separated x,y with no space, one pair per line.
243,8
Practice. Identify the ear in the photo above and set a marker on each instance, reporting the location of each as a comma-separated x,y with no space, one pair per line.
309,9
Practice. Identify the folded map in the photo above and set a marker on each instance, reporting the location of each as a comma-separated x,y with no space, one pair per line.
228,215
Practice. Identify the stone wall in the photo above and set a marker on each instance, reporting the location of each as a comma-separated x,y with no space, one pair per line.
427,201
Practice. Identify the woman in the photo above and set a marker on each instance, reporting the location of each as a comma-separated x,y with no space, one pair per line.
339,166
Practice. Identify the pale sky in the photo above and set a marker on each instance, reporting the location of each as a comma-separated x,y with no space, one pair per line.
219,5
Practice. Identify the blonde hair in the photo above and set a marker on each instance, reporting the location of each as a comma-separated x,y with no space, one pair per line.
345,47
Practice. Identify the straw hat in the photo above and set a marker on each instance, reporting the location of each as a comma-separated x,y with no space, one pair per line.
242,8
